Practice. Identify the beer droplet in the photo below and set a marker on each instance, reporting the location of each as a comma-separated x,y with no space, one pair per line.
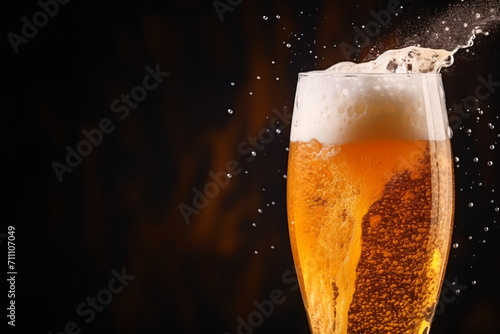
455,245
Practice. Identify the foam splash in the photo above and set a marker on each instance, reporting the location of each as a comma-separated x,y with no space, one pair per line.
407,60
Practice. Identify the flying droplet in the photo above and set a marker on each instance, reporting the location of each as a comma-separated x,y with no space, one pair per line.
254,153
254,225
230,111
278,131
256,252
288,45
259,210
265,18
471,204
284,176
232,83
473,282
278,17
490,163
455,245
258,77
492,147
457,159
272,247
491,126
486,229
475,159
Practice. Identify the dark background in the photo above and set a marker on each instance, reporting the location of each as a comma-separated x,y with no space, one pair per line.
119,208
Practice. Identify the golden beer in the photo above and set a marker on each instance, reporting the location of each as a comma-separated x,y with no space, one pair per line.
370,215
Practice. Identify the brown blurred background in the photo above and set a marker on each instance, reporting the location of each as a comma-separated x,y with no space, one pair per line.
119,208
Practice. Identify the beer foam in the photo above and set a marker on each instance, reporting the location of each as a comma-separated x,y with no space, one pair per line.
406,60
337,108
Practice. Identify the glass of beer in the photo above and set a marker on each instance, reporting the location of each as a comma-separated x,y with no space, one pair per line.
370,200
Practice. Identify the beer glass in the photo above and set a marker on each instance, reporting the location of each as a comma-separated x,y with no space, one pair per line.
370,200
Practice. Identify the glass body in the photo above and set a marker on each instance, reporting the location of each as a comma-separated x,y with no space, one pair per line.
370,200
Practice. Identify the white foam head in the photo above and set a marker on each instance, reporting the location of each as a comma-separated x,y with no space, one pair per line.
337,108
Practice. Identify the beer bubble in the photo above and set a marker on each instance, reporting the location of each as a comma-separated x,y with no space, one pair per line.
455,245
471,204
490,163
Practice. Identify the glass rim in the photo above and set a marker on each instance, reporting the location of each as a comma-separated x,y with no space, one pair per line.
326,73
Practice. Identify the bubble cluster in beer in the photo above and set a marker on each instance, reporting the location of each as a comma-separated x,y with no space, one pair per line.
370,232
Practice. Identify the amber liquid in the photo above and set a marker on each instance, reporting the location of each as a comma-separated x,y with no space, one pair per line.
370,226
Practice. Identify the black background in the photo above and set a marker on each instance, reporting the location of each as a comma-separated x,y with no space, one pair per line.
119,208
